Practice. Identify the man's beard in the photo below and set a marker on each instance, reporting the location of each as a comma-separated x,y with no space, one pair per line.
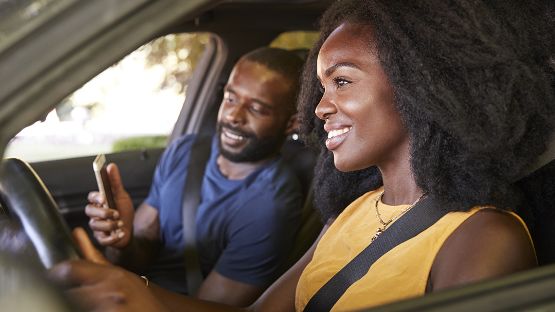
257,148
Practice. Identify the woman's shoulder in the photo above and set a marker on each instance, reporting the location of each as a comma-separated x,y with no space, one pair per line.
489,243
492,225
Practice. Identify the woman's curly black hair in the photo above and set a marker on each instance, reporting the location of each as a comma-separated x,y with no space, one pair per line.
473,86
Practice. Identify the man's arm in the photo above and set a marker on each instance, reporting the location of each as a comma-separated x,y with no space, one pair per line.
280,296
144,244
219,288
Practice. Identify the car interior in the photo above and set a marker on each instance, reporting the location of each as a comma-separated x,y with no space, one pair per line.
47,198
235,29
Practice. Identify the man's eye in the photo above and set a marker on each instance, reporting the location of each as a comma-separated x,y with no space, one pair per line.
229,99
257,109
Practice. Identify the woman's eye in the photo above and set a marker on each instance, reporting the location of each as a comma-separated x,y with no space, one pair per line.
340,82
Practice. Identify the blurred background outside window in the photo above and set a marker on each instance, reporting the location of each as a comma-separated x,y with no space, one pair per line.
134,104
130,105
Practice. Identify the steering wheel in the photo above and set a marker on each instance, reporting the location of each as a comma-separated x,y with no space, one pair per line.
27,198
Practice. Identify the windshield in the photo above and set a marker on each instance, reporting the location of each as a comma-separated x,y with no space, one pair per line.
19,17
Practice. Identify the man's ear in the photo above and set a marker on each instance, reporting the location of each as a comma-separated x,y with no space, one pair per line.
292,124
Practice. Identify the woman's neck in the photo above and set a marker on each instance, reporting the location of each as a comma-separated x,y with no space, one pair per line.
399,183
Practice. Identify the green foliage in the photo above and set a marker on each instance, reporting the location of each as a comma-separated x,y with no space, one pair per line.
139,142
178,54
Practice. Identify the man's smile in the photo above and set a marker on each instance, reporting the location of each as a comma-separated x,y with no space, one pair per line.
232,137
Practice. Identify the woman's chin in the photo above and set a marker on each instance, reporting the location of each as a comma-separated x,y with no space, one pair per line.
344,165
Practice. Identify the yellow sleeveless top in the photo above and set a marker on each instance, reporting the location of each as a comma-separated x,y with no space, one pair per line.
400,273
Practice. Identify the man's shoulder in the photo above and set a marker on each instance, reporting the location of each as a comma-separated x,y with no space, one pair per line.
176,152
180,146
274,195
276,176
184,141
276,173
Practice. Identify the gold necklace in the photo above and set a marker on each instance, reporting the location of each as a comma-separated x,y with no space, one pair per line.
385,224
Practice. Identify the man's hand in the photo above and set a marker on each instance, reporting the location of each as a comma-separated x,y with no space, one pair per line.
111,227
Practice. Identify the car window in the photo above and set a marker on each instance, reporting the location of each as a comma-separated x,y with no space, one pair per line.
131,105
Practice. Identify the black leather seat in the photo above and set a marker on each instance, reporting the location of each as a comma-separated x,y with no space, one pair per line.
303,159
539,211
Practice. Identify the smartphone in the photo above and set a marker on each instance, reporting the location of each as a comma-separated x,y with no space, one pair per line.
103,181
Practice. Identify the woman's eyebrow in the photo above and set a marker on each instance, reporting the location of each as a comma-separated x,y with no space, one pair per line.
334,67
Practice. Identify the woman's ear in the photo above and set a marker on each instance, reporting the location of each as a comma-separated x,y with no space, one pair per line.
292,124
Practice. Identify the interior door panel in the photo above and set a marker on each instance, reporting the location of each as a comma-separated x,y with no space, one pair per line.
70,180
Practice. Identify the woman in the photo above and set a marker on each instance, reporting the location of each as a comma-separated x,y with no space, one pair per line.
448,102
468,134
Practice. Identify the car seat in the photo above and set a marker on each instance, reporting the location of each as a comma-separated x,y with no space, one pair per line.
302,160
538,189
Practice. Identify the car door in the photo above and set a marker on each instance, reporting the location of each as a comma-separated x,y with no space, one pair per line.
150,119
96,45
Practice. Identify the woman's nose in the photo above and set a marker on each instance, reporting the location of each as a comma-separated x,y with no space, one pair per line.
325,108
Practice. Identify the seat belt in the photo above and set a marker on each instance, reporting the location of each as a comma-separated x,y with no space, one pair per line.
198,158
424,214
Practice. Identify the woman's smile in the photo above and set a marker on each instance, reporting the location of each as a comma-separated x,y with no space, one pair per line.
336,137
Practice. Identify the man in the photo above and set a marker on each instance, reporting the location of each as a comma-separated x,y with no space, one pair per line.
250,201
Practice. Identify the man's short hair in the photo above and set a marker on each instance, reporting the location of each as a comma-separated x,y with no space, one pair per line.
287,63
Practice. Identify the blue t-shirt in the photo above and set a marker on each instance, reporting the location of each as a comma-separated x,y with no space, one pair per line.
245,228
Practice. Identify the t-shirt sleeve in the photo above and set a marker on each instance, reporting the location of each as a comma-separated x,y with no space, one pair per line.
261,236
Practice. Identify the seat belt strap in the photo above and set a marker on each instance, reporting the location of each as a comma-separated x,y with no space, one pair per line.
198,158
424,214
